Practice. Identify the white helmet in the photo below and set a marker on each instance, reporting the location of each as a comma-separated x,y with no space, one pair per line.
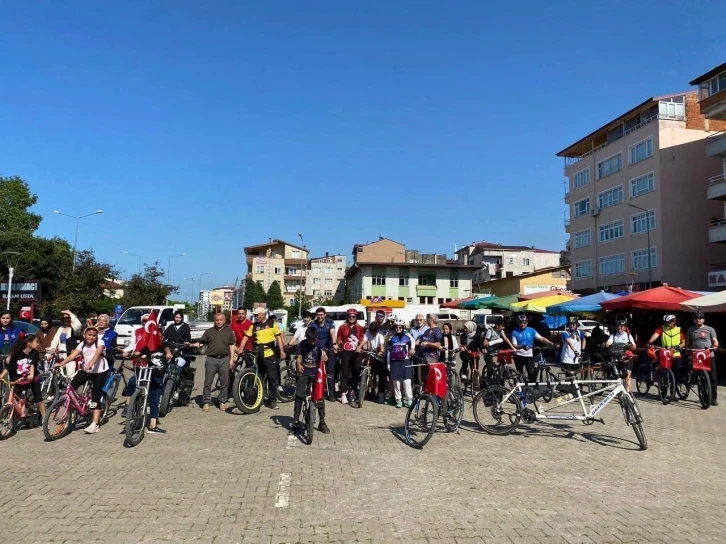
157,359
398,322
393,318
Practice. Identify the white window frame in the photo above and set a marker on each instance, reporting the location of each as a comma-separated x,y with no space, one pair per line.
612,225
525,261
316,281
637,217
575,212
296,254
618,257
377,279
578,177
580,235
260,266
633,147
608,159
583,269
643,254
602,204
633,183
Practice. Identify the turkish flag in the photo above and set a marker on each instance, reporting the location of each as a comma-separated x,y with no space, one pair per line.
148,336
701,359
319,387
436,381
666,358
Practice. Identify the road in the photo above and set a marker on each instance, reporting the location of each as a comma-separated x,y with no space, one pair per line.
227,477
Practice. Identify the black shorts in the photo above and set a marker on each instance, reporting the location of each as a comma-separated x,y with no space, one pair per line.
33,387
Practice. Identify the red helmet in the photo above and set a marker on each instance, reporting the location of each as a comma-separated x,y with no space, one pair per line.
352,312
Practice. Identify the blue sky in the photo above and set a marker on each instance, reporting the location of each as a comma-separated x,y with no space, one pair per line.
202,127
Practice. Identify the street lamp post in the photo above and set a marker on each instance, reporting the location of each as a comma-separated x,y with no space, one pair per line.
191,293
77,218
647,231
301,291
135,255
168,270
13,258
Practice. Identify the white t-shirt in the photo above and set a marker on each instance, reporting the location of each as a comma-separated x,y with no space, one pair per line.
300,333
374,341
89,351
568,354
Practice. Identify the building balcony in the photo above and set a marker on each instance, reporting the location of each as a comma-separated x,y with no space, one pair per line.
714,106
716,145
717,187
426,290
717,231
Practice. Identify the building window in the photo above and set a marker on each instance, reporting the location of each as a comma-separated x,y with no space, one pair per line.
316,281
278,270
611,231
640,259
583,269
327,270
291,271
582,238
441,301
295,253
328,293
610,166
316,292
672,108
614,264
611,197
525,262
581,207
403,280
582,178
616,133
427,279
379,280
642,185
639,222
454,282
328,281
401,298
510,274
641,151
260,269
409,300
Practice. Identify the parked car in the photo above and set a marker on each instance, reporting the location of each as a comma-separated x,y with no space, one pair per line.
587,325
26,327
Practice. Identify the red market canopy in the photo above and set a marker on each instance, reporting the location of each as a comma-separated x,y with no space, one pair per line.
455,303
658,298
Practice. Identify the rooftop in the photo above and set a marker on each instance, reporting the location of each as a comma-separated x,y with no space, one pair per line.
353,270
273,242
708,75
537,272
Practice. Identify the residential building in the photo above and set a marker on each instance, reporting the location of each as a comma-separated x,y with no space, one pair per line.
637,212
281,261
114,288
204,305
380,270
492,260
554,278
326,277
712,105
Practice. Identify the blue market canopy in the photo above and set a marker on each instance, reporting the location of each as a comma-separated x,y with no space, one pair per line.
590,303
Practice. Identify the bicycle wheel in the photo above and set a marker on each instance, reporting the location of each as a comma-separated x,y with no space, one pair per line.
683,383
454,409
7,422
309,421
666,385
248,391
420,423
136,418
4,390
703,382
288,384
632,418
642,380
475,381
113,390
57,421
505,415
105,406
167,402
363,385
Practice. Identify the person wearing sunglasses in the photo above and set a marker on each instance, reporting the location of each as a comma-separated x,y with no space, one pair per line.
523,338
701,336
416,332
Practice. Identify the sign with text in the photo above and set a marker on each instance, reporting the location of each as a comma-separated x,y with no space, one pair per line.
532,289
717,278
26,291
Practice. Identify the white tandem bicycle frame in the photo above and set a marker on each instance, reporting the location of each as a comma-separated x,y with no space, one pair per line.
518,392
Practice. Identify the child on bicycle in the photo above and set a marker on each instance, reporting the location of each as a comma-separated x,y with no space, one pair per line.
23,366
309,354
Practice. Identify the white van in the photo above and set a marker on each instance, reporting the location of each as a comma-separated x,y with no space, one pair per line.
339,313
486,320
130,320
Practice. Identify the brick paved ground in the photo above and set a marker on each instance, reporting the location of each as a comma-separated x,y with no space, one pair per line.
227,477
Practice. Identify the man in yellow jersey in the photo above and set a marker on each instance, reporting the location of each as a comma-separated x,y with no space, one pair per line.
264,332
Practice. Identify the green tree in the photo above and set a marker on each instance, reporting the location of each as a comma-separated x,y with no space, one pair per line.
147,288
274,296
84,291
15,199
254,292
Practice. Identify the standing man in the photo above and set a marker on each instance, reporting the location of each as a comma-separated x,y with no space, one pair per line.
220,342
384,325
300,331
265,333
326,335
239,326
416,331
701,336
430,341
523,338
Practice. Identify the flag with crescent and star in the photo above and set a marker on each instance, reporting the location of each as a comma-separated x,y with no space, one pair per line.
319,387
701,359
148,336
436,381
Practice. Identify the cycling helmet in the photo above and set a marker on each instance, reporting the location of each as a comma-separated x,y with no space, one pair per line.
398,322
621,323
352,312
157,360
393,318
572,320
470,327
522,318
668,318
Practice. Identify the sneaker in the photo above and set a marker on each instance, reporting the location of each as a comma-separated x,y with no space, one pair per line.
406,403
93,428
344,398
323,428
125,411
156,430
399,404
205,408
381,399
463,377
223,406
351,397
273,405
331,398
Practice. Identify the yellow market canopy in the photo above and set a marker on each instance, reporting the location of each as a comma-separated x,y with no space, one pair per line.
539,305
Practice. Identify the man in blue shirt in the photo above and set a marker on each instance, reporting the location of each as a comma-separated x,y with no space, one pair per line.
523,338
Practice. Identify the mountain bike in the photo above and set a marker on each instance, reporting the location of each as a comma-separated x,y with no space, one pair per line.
248,389
367,381
138,415
694,374
308,410
53,382
115,377
507,407
287,378
17,410
660,374
68,408
473,382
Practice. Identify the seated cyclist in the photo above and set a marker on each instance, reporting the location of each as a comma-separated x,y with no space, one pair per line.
22,366
573,344
622,346
310,353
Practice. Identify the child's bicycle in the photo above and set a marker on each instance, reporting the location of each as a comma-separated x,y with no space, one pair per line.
308,411
17,410
437,397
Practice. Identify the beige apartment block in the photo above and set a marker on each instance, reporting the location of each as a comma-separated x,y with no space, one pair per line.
326,277
636,195
281,261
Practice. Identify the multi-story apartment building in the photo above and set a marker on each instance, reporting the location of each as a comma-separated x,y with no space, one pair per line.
281,261
204,305
635,192
494,261
326,277
381,270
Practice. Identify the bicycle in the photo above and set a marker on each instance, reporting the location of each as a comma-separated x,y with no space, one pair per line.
138,414
429,402
694,373
22,408
68,408
508,407
178,379
661,374
367,380
474,379
287,378
53,381
308,410
450,359
115,377
248,388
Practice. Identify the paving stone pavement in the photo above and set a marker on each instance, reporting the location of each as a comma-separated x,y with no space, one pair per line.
227,477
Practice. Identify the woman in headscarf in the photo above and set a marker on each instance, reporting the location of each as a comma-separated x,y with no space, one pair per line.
46,333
